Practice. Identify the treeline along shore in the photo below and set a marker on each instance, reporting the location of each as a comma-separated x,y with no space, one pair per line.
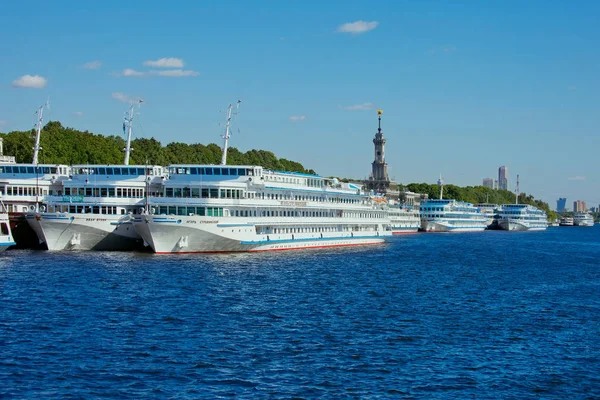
63,145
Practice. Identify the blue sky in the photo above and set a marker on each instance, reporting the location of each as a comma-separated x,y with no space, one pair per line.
466,86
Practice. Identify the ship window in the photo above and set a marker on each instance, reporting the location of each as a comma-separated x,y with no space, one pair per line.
102,171
172,210
140,171
177,192
214,193
181,210
200,171
225,171
196,192
204,192
241,171
109,171
217,171
22,170
194,171
186,192
201,211
117,171
209,171
125,171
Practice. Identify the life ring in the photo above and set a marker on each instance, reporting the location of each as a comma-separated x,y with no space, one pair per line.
31,208
43,208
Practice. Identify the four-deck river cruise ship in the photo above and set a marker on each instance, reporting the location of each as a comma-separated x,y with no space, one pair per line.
583,219
209,208
521,217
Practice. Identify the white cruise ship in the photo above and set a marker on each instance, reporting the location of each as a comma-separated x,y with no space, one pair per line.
403,219
489,211
94,210
566,221
441,215
210,208
583,219
521,217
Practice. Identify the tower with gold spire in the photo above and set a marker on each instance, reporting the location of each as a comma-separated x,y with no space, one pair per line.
379,180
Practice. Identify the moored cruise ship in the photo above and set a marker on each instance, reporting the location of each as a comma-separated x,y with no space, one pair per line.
521,217
489,212
566,221
94,210
210,208
583,219
442,215
403,219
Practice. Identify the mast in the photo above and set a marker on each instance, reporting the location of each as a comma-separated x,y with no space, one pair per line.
226,136
517,191
127,128
38,131
441,183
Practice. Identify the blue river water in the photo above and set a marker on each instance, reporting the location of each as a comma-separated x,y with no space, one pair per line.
479,315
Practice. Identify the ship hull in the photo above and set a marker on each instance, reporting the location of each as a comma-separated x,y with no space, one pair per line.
85,232
166,235
432,226
508,225
24,236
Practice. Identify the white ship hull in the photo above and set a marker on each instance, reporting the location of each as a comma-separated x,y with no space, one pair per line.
447,226
195,234
404,230
85,231
584,223
516,225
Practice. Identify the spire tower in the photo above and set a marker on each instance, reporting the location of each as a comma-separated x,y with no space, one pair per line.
379,180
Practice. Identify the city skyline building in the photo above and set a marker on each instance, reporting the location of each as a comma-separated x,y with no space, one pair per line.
561,204
503,178
579,206
488,183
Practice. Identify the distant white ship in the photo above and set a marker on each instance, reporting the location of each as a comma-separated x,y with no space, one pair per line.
583,219
566,221
441,215
522,217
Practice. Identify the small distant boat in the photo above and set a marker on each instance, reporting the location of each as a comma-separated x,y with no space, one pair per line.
566,221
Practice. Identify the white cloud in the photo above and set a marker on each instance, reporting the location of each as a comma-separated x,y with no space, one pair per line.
297,118
92,65
131,72
28,81
577,178
123,97
165,63
361,107
174,73
357,27
78,113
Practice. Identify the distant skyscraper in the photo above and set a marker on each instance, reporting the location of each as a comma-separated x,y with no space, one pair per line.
503,178
488,182
561,204
579,206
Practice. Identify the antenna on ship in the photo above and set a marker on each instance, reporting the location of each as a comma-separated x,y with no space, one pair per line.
226,136
441,183
128,127
517,191
38,130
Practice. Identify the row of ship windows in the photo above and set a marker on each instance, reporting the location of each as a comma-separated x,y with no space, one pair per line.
210,171
214,193
25,191
29,170
103,192
315,229
119,171
186,210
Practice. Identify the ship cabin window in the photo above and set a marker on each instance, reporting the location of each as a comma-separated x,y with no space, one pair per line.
209,171
117,171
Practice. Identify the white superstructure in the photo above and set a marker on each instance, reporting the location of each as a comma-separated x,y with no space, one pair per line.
489,211
6,237
94,210
521,217
566,221
583,219
209,208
